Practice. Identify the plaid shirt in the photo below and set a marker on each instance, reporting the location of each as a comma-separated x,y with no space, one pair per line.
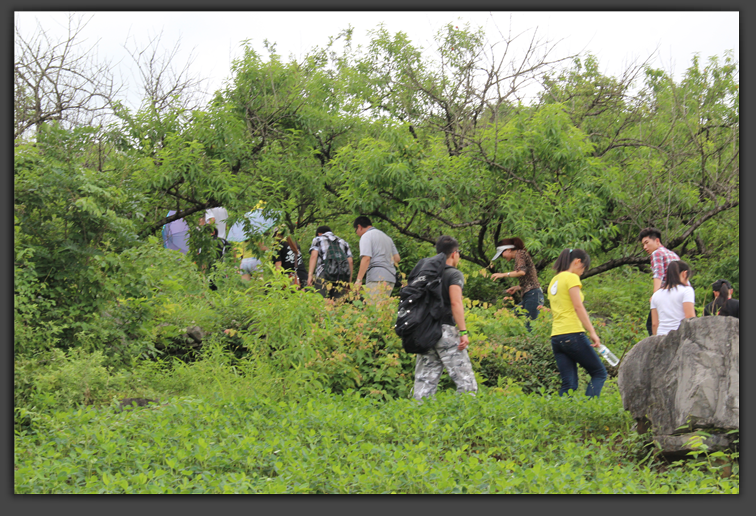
660,260
321,244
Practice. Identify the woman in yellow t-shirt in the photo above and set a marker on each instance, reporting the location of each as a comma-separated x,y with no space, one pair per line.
570,323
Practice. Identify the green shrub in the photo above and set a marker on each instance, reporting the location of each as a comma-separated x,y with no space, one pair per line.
495,442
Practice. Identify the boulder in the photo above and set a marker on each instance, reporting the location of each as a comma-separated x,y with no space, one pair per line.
196,334
685,381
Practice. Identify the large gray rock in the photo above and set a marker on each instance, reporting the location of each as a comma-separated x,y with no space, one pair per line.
688,378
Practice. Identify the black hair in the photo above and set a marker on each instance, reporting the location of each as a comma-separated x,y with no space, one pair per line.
717,285
674,269
565,258
322,229
649,232
724,293
362,221
515,241
447,245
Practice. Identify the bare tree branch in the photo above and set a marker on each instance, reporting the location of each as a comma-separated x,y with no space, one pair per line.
59,81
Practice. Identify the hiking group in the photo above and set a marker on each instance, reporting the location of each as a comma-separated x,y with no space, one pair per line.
431,319
431,315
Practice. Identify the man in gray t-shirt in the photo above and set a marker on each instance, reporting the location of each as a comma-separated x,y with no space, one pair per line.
378,259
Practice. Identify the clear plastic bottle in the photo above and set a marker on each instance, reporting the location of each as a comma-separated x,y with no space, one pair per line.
608,355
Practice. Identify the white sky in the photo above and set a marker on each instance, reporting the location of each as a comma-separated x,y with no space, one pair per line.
616,38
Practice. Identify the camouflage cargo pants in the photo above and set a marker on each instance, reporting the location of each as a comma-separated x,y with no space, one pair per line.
430,365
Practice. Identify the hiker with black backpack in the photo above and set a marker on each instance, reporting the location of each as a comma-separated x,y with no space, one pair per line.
331,265
440,339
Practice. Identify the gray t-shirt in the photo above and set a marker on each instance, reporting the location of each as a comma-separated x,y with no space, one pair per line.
451,276
381,249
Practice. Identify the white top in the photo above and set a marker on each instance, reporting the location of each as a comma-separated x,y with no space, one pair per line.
669,306
220,215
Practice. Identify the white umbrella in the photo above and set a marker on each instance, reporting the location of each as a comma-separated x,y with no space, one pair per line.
258,225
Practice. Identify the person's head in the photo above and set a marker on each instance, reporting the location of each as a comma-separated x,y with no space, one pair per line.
507,246
651,239
450,247
678,273
322,230
722,291
361,224
279,232
575,260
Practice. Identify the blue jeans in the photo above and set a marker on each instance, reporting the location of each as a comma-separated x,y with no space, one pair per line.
572,349
531,300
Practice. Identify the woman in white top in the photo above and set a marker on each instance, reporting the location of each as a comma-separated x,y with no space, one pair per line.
673,302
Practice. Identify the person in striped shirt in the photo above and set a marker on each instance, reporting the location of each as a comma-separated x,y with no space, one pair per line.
650,238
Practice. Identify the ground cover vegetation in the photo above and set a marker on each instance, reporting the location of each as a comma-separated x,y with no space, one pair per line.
425,142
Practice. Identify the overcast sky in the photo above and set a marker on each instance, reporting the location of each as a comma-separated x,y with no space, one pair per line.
616,38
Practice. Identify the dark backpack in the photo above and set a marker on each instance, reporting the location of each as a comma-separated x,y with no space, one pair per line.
335,264
421,305
223,247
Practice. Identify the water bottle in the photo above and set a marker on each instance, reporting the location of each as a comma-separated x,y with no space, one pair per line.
608,355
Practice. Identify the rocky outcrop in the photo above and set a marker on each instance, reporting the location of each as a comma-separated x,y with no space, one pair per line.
685,381
128,403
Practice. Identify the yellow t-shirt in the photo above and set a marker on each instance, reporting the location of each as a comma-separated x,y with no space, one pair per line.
565,319
242,250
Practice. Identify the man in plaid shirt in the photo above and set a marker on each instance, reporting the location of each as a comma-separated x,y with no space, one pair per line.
660,258
324,238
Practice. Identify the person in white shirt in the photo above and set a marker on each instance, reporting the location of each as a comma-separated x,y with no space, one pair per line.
218,216
674,301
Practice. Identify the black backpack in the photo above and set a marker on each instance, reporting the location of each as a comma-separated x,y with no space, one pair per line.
421,305
335,264
222,246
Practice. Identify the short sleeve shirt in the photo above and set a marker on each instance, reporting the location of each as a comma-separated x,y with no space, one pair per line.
290,261
381,249
523,262
451,276
322,243
565,319
668,304
660,260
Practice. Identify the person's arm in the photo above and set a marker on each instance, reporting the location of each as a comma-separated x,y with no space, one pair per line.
513,274
278,260
689,302
583,316
351,267
364,264
458,311
520,269
397,258
654,321
313,262
657,286
657,270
